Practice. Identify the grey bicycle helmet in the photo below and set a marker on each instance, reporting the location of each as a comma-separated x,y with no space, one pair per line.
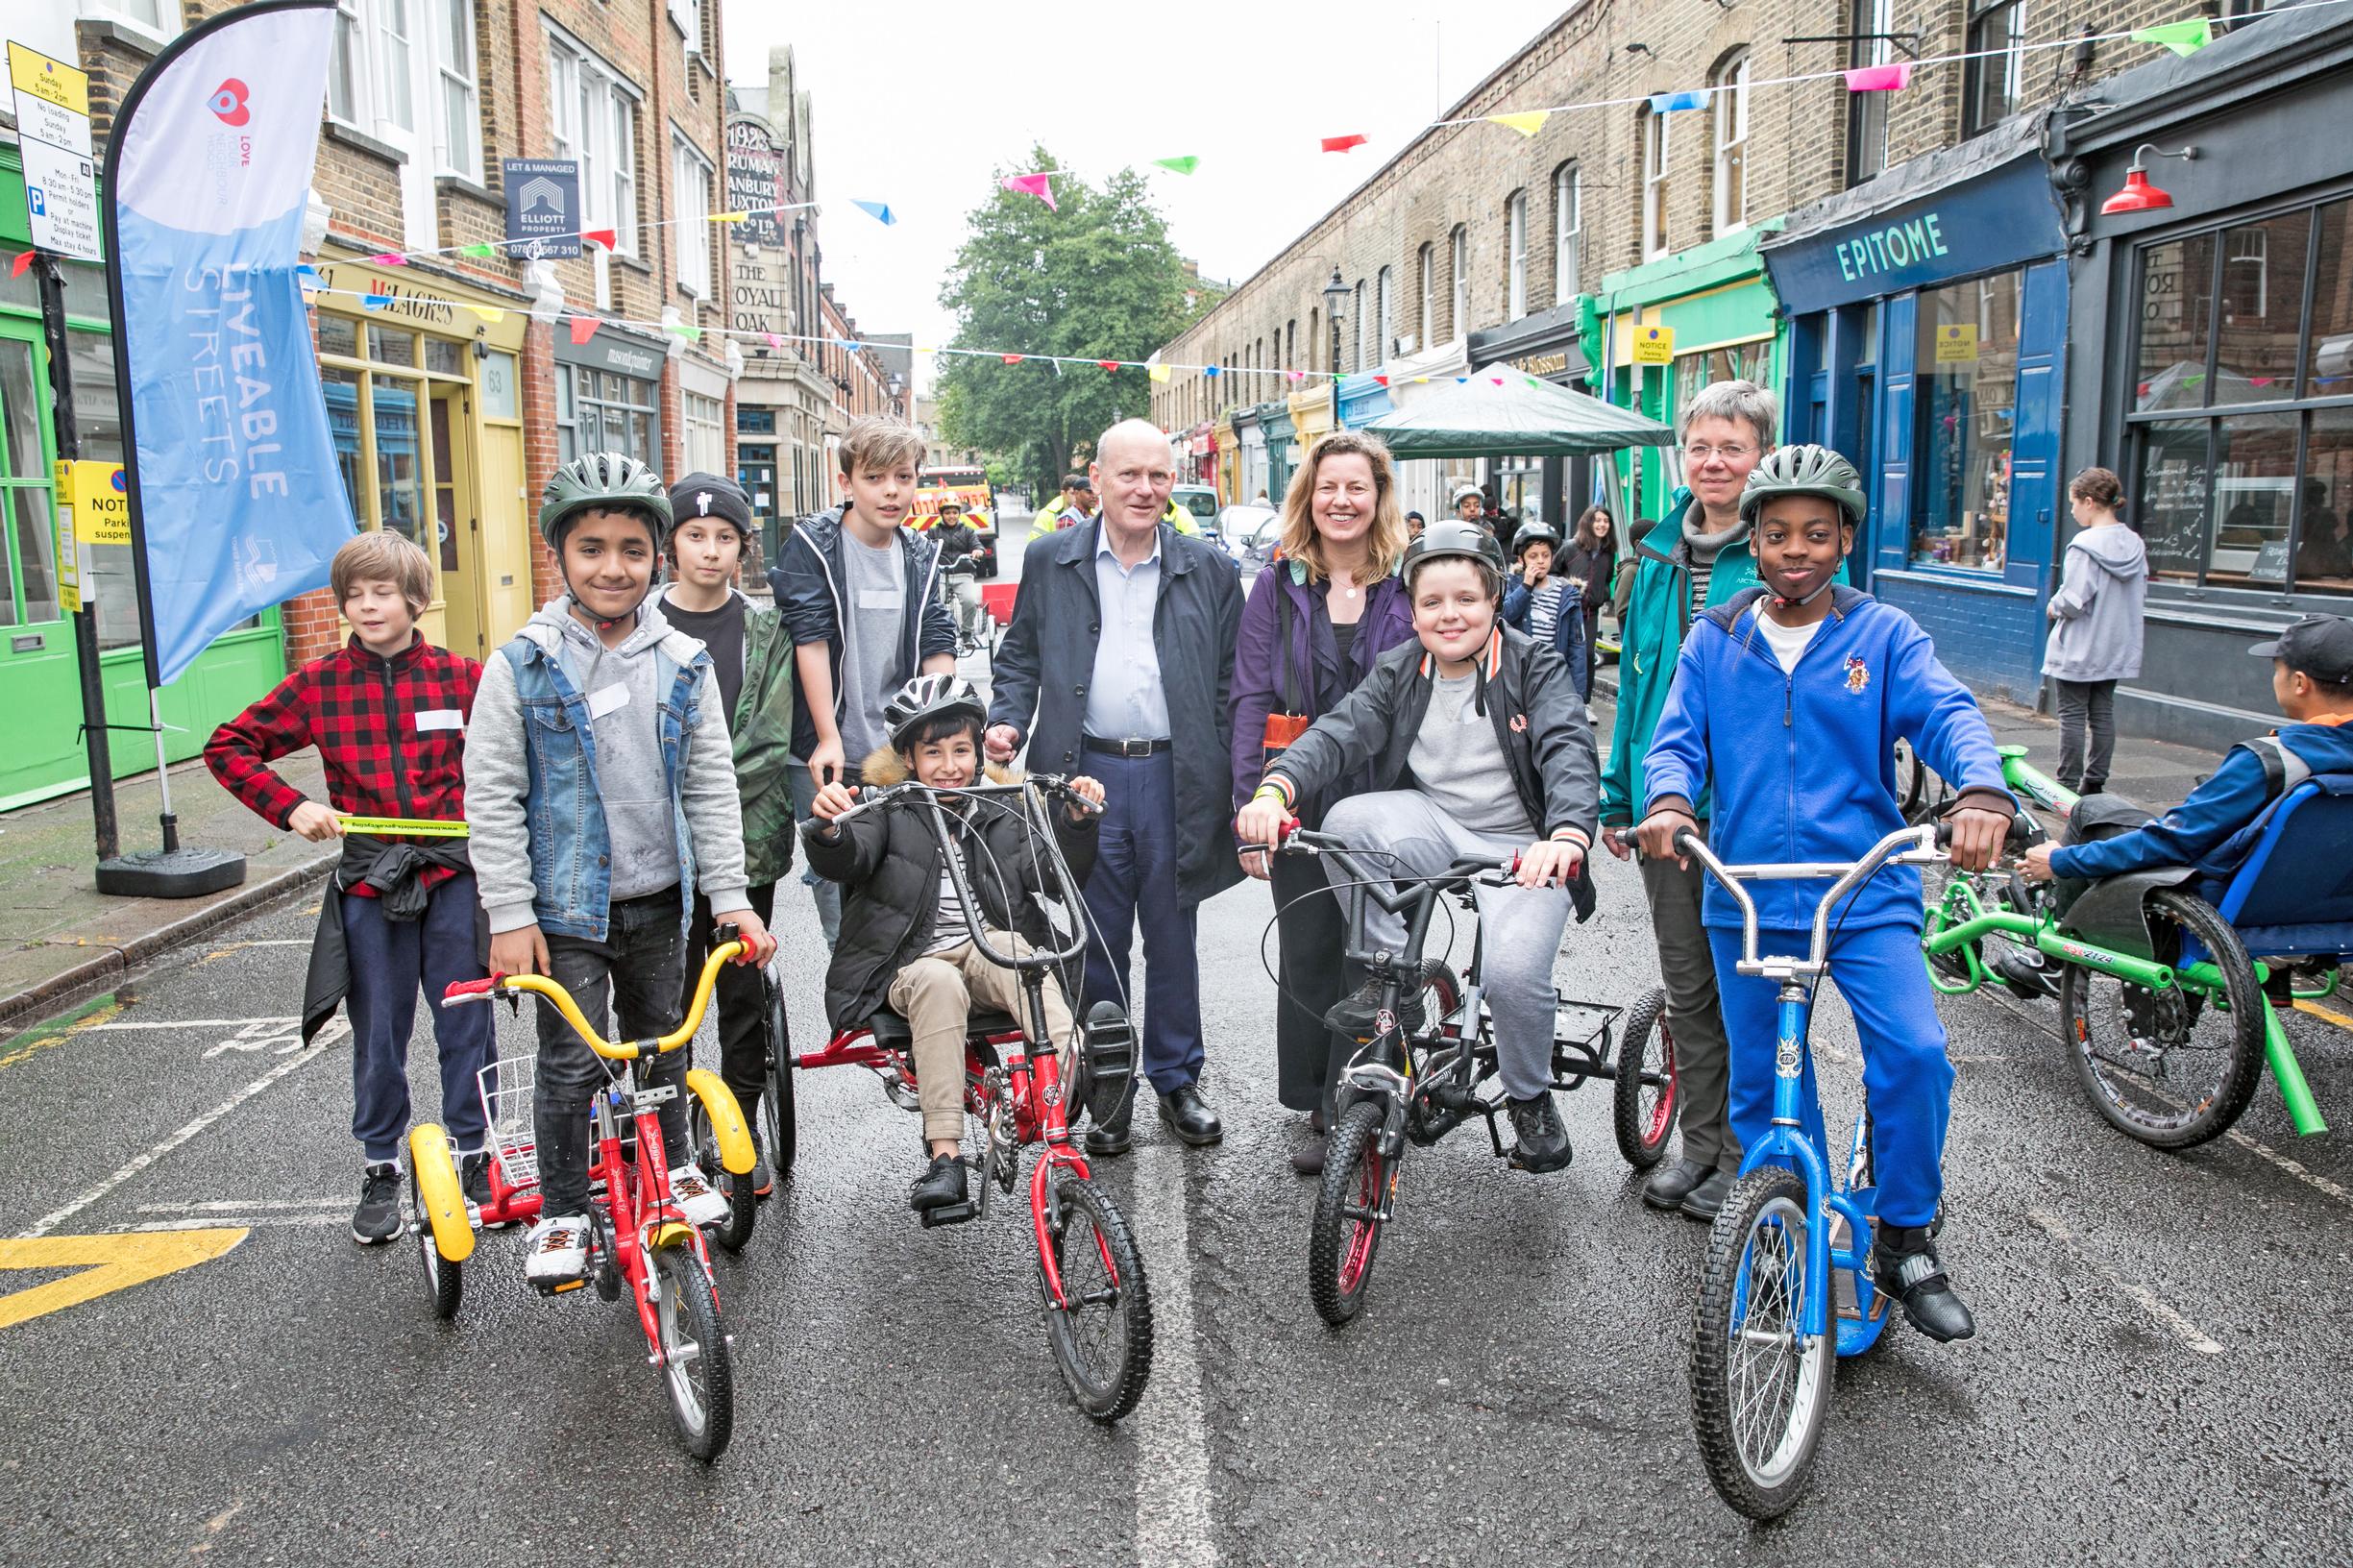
1805,470
1451,537
602,479
926,697
1534,533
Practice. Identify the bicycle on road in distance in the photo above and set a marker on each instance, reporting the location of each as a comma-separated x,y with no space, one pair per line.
1091,1276
1787,1286
1411,1086
639,1240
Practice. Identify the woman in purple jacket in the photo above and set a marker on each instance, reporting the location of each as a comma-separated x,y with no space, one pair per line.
1322,611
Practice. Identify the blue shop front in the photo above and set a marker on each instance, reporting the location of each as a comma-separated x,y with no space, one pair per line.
1928,328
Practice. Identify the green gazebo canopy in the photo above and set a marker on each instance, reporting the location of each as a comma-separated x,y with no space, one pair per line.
1500,410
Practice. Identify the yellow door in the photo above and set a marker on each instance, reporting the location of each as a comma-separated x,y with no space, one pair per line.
509,533
456,520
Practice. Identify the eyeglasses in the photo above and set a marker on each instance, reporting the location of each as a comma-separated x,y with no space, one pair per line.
1702,451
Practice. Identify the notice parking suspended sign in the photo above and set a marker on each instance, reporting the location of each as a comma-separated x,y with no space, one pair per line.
53,125
95,493
1654,345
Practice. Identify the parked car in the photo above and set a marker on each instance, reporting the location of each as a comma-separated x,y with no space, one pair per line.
1201,501
1250,535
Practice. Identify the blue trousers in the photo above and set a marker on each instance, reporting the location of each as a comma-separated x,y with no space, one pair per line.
389,959
1134,878
1907,1082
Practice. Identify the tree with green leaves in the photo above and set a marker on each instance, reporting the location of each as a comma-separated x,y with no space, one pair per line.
1091,277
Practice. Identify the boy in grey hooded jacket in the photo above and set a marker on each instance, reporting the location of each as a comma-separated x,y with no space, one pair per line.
2095,629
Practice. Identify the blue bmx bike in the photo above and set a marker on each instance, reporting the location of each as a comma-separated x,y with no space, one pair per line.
1788,1286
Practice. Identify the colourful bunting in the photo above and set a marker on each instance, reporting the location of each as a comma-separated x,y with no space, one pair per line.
852,343
603,237
730,217
1893,78
1033,184
480,252
2182,37
1012,358
584,328
1109,364
374,302
1527,123
389,259
24,259
1214,371
775,340
879,211
1159,373
1178,165
1667,103
488,312
1341,144
1288,375
1380,380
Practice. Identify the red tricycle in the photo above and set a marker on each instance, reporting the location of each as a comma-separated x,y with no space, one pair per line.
637,1238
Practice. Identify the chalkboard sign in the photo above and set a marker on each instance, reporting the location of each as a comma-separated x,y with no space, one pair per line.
2270,563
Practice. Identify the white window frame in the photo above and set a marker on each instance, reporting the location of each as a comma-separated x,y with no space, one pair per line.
1730,106
592,117
1568,232
1429,284
363,29
1459,255
1356,331
703,432
1385,308
692,188
1516,270
459,98
1654,183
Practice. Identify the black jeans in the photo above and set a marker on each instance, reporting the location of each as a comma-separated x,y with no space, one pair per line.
1311,930
2086,705
740,997
631,978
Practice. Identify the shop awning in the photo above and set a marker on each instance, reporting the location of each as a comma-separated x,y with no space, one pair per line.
1501,410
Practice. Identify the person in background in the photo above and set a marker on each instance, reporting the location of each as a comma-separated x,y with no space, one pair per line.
1543,606
2324,551
1415,522
1470,503
1592,561
1317,618
958,572
2095,629
1064,509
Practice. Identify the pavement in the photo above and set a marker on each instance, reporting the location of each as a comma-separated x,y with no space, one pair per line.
2157,1377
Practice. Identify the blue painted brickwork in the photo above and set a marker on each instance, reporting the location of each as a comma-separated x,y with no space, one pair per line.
1992,640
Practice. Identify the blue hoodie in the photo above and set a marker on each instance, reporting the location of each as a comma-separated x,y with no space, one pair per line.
1804,764
2207,830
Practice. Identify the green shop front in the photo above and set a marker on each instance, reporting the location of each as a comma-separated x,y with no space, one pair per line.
1725,319
40,676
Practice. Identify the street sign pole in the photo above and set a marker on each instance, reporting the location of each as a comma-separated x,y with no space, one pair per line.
95,737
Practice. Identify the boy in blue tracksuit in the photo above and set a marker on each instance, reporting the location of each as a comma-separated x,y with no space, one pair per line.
1788,701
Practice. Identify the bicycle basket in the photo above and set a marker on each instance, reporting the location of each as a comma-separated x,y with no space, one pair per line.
508,1086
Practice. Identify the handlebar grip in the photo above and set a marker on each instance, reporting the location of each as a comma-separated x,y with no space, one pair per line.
1943,834
723,933
472,991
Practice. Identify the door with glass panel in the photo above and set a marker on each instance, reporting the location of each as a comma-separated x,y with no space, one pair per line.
38,686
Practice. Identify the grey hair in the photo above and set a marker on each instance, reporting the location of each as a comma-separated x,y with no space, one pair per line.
1743,400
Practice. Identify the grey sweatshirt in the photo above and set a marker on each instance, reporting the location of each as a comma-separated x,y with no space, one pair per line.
1460,764
2096,613
625,685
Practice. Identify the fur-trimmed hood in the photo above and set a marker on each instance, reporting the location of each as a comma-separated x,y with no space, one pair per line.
885,766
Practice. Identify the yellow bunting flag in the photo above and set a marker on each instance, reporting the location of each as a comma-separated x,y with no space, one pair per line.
488,312
1159,373
1527,123
730,217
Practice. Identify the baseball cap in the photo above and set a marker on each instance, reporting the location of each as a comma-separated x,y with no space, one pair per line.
711,495
2318,645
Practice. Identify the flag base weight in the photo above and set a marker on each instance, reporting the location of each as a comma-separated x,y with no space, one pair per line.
170,873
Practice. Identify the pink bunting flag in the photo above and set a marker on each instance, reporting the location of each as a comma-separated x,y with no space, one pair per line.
1033,184
1893,78
1296,375
584,328
389,259
775,340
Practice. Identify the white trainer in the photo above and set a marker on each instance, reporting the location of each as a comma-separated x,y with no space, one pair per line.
556,1250
701,1203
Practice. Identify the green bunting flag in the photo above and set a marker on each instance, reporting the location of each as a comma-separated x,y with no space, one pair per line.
2182,37
1178,165
480,252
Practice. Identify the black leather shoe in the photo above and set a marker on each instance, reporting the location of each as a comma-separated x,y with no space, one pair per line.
1903,1263
1108,1137
1703,1201
1543,1142
1308,1159
1669,1185
1189,1116
940,1186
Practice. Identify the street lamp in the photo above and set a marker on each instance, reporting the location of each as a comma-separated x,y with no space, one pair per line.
1336,299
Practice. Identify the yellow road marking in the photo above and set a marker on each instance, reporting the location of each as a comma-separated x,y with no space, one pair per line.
97,1015
105,1264
2334,1016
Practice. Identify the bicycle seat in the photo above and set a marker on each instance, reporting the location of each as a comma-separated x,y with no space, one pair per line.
890,1030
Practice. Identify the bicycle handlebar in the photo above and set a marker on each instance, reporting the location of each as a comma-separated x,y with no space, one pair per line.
555,995
1491,872
1053,784
1925,841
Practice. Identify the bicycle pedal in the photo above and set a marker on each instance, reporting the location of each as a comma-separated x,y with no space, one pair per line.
955,1213
557,1287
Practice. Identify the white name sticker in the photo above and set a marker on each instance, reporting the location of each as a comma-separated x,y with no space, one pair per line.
440,719
605,699
880,598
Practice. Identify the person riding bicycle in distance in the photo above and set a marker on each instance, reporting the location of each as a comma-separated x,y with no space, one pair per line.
905,943
1788,698
1475,741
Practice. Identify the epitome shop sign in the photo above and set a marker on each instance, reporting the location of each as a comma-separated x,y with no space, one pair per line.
1999,219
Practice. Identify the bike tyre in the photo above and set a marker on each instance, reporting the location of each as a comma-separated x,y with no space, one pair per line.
1643,1133
707,1423
1341,1249
780,1129
733,1233
2244,1066
445,1281
1768,1192
1108,1393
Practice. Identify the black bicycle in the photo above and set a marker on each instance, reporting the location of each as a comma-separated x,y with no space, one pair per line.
773,1120
1415,1085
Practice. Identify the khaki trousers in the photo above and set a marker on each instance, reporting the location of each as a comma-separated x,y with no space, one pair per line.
937,995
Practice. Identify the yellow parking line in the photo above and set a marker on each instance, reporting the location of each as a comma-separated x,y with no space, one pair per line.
2340,1020
97,1015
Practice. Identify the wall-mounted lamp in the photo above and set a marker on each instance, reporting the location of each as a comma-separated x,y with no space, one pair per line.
2138,194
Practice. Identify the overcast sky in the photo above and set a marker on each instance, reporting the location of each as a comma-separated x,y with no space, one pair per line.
918,102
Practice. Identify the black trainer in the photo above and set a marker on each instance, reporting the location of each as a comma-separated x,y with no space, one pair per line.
1903,1263
939,1187
1358,1015
378,1218
1543,1142
2028,975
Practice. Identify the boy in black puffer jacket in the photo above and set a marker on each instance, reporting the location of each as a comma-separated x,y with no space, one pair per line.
905,943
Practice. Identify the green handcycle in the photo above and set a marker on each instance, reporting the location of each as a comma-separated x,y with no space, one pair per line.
2169,1016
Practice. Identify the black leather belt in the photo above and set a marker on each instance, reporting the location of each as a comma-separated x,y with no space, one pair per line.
1124,748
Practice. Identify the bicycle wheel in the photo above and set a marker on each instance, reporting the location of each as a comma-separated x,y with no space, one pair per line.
779,1130
697,1372
1759,1394
1646,1095
1345,1236
2171,1069
743,1203
1102,1334
444,1281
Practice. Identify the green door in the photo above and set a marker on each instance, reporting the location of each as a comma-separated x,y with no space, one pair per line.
39,683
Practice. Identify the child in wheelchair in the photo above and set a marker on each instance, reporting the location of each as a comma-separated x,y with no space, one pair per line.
905,945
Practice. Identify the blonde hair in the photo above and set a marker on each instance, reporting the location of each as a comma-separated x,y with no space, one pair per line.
1384,542
880,441
380,556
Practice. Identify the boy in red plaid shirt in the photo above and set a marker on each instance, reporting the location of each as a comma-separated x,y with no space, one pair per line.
388,714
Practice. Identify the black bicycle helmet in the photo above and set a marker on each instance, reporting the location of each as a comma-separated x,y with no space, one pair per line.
1448,537
1805,470
602,479
926,697
1534,533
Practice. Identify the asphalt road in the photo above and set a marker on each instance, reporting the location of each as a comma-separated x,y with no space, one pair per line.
2159,1377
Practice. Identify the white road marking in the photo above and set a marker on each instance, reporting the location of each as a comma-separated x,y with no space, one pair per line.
51,1221
196,1024
206,1222
1172,1464
2181,1328
240,1206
